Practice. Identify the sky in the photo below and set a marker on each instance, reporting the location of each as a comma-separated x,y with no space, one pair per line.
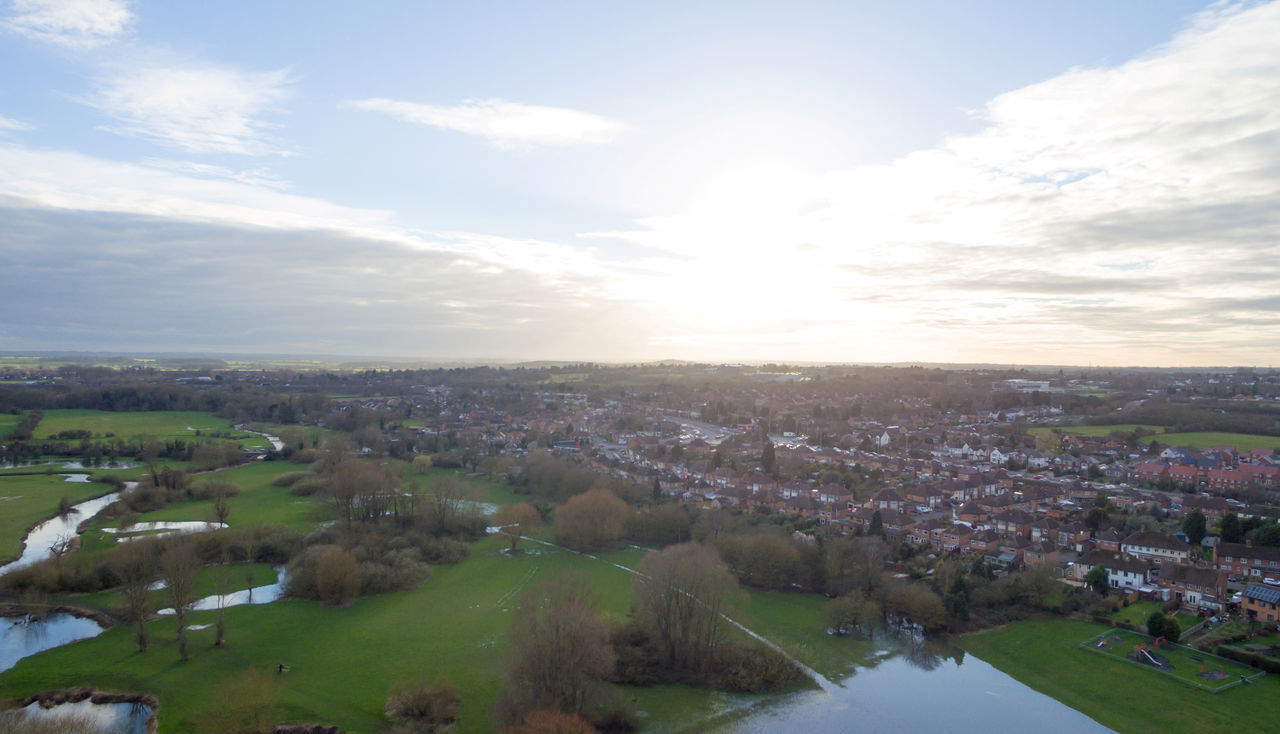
1009,182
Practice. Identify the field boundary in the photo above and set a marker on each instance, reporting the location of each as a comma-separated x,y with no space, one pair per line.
1093,645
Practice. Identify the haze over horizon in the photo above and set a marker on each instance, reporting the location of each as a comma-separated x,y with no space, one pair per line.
829,182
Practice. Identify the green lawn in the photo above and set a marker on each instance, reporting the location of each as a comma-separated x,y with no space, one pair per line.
1045,654
161,425
1137,612
29,499
1205,439
236,578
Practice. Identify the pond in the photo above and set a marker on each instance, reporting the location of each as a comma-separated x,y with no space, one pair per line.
109,718
912,687
20,637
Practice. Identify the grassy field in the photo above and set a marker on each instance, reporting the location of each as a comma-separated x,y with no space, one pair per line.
237,578
8,422
1187,664
1205,439
259,501
452,627
32,498
161,425
1098,431
1045,654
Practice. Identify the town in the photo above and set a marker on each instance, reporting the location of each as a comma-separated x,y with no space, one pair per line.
929,503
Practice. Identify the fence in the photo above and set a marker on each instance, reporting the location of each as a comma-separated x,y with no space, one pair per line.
1185,654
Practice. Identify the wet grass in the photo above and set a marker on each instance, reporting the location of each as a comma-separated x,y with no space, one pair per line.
161,425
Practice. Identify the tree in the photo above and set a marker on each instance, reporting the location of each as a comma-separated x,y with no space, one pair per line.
1161,625
1266,534
917,604
516,520
338,576
149,456
1098,579
180,567
768,457
1193,524
591,521
877,525
221,505
221,587
134,564
558,651
1230,529
1039,582
680,595
1095,518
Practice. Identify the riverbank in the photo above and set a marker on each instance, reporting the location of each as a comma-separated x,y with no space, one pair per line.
1044,653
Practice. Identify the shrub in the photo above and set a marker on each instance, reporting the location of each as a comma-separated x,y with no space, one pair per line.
421,706
288,479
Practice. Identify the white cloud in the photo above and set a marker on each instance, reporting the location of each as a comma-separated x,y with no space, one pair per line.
253,177
192,106
71,23
8,124
506,124
1004,244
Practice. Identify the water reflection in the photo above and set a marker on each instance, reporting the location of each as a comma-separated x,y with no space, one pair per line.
109,718
913,684
20,636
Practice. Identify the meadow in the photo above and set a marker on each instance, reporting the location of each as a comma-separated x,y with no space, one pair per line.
1045,654
161,425
1205,439
1096,431
8,422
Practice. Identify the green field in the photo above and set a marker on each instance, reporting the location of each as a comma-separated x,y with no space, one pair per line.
1186,664
259,501
1096,431
1205,439
30,499
8,422
453,627
161,425
1045,654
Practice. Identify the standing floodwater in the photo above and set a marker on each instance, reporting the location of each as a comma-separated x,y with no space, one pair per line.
44,537
23,636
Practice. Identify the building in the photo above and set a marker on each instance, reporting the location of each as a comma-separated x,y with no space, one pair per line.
1193,586
1244,560
1259,604
1157,547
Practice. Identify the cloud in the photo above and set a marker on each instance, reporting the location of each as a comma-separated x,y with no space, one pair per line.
1016,243
253,177
191,106
506,124
77,24
10,125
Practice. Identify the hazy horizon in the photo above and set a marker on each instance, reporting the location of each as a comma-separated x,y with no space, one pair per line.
998,183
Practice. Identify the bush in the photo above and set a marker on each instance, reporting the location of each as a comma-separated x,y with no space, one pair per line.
755,670
288,479
423,706
309,485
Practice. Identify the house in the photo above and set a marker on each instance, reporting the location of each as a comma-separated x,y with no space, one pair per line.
1157,547
888,500
1042,552
1193,586
1109,540
1259,603
1123,572
1244,560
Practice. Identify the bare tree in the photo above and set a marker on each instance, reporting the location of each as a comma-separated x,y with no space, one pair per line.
180,568
515,520
559,651
134,563
338,576
222,587
681,594
593,520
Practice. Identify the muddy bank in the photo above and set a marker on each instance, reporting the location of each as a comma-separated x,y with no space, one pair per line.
15,609
50,699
